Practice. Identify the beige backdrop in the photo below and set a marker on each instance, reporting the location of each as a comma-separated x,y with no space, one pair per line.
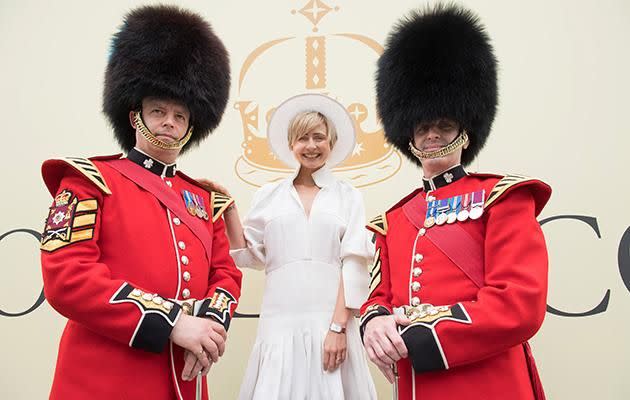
562,117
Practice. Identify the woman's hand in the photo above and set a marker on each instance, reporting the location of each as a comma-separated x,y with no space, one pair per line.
335,350
213,186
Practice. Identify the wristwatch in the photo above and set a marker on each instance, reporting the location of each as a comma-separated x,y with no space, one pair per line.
334,327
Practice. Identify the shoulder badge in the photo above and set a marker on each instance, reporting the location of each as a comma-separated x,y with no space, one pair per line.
504,184
69,221
220,203
378,224
89,170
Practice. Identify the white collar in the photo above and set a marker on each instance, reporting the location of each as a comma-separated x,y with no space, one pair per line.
323,177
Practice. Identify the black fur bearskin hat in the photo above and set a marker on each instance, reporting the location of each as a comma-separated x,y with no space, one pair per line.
438,63
168,52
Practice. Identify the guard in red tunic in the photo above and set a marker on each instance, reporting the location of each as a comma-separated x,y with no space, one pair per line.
459,280
134,252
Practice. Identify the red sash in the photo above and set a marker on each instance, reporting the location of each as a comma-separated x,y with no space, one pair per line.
457,244
155,185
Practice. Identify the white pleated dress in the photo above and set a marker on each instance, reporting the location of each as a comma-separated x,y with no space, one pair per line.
303,259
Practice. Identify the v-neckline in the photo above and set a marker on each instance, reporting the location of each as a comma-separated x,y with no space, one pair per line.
297,197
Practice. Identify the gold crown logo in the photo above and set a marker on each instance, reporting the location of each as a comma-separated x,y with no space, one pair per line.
318,63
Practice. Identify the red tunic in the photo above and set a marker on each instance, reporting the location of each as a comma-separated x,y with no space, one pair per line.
474,347
115,262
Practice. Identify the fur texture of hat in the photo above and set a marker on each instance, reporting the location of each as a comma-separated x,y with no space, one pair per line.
438,63
167,52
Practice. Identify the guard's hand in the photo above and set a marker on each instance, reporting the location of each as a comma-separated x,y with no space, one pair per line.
200,336
213,186
388,372
218,335
383,343
193,367
335,350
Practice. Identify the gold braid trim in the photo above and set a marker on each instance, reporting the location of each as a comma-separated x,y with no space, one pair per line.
219,203
503,185
89,170
150,137
378,224
446,150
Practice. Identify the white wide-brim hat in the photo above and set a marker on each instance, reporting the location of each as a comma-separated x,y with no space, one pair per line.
277,132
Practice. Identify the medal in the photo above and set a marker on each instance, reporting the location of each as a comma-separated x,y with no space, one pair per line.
190,204
442,208
454,203
195,205
441,219
463,213
451,217
476,205
201,207
476,212
429,220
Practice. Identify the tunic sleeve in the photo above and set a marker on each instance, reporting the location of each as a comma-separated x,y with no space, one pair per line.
81,287
356,250
224,282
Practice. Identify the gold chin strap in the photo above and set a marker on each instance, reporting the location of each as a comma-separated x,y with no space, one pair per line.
150,137
461,140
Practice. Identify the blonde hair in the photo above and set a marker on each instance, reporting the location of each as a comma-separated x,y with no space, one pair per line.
305,121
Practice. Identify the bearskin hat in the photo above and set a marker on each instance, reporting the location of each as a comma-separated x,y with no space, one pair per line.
165,51
438,63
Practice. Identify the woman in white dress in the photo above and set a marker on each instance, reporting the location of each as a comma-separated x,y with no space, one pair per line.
308,234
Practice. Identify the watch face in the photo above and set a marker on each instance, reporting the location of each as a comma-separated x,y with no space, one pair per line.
336,328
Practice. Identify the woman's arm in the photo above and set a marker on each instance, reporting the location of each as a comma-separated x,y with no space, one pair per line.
335,343
356,250
342,314
233,226
246,239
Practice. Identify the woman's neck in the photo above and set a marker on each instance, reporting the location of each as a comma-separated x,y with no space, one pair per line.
305,177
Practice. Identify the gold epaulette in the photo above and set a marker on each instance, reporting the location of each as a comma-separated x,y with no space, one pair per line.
378,224
220,203
504,184
89,170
